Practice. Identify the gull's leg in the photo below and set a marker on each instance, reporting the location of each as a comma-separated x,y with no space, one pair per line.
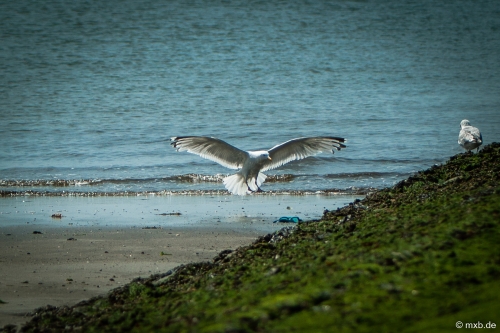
248,187
258,188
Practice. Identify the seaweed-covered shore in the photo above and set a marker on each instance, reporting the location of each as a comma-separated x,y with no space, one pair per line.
422,255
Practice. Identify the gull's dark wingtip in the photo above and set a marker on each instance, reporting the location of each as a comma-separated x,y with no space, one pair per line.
337,143
337,138
175,141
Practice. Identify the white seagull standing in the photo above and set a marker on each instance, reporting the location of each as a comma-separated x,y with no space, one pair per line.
251,163
469,137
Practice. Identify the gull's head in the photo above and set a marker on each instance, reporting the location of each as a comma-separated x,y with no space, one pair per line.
265,156
464,123
261,154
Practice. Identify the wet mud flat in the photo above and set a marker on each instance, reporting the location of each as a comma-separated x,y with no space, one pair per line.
62,266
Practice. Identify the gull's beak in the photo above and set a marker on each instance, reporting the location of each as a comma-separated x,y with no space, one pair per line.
269,158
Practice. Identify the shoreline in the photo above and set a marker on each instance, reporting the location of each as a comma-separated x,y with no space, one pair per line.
164,193
420,254
102,243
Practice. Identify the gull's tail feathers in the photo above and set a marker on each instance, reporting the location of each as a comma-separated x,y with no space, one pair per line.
236,184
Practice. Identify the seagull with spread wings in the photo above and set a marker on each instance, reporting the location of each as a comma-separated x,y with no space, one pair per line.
251,164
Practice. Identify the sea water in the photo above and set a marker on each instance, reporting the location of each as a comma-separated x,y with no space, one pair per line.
92,91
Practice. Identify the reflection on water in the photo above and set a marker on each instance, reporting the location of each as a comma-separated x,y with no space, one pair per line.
165,211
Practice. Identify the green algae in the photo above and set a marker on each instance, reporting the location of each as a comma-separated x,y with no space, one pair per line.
421,255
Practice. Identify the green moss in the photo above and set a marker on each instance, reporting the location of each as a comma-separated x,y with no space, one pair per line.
416,257
136,289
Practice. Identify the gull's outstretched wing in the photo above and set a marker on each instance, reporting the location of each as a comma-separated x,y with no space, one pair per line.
211,148
297,149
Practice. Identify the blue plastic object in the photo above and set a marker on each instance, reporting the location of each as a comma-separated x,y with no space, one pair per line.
292,219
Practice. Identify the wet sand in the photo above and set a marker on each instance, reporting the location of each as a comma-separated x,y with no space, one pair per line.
102,243
63,266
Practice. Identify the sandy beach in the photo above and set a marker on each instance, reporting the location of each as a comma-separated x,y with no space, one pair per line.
62,266
102,243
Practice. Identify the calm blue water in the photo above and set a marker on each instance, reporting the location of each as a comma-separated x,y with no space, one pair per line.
93,90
